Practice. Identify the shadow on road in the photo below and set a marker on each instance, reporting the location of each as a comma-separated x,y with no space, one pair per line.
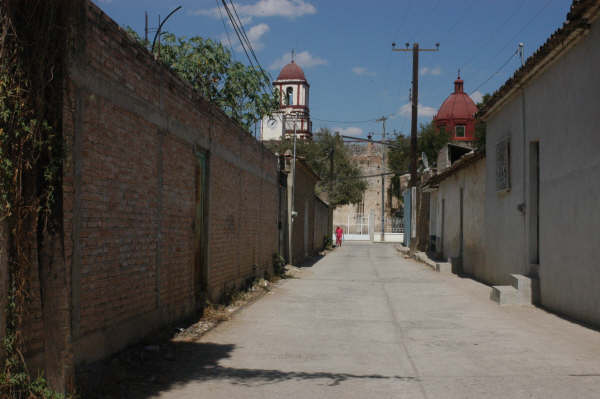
142,374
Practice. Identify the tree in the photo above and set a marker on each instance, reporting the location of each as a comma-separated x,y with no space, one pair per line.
243,92
480,126
429,142
346,186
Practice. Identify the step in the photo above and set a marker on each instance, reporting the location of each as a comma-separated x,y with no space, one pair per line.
527,286
520,282
507,295
443,267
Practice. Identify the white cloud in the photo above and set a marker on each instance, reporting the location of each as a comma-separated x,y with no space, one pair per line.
362,71
477,96
265,8
349,131
304,58
431,71
423,110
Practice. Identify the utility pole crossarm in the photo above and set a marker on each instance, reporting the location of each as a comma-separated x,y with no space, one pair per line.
415,105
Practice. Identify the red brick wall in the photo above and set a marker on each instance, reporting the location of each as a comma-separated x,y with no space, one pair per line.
132,129
303,223
3,279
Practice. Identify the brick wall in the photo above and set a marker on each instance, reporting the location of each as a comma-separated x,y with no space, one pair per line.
323,223
133,130
3,280
313,218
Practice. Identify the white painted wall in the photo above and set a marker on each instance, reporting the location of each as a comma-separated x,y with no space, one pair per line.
562,111
272,131
472,180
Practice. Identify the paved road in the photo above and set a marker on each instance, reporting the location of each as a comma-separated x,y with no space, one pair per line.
366,323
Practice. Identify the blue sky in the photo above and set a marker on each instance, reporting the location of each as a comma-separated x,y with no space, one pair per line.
344,47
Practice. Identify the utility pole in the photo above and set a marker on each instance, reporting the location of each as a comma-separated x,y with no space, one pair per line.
415,104
146,28
331,169
413,138
382,119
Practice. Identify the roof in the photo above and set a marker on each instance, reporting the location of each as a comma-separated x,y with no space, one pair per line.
458,105
291,72
577,22
462,163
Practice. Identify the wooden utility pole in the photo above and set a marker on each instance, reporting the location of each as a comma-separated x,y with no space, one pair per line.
415,105
413,139
382,119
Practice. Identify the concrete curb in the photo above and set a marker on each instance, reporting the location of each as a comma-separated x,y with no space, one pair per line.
440,267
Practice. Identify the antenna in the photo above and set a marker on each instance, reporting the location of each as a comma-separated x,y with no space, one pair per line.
293,54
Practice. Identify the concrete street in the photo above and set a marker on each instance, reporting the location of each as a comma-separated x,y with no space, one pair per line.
365,323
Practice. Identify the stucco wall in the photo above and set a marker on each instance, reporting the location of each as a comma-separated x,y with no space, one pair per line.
472,180
561,111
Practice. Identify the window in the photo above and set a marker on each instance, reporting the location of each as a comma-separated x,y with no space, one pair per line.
442,129
289,96
503,165
460,131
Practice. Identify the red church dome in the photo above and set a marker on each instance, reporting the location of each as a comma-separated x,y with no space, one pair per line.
291,72
456,115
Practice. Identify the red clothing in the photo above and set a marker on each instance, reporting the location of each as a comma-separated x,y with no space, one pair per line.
339,232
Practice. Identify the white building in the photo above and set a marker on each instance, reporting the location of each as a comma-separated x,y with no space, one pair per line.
542,197
293,114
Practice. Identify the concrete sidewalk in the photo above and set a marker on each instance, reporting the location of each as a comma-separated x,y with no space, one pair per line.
366,323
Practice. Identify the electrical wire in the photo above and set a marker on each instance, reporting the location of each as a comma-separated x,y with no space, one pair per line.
497,71
261,70
245,43
225,27
478,52
528,24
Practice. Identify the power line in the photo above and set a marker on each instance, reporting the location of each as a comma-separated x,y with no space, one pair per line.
245,43
332,121
497,71
225,27
478,52
511,40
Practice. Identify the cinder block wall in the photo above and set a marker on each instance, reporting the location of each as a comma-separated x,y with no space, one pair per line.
133,128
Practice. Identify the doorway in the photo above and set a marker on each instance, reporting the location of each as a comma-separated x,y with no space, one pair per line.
200,228
534,203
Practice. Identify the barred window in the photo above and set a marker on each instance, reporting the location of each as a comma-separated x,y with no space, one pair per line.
503,165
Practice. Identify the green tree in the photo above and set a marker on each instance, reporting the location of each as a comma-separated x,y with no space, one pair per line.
429,142
346,187
480,126
243,92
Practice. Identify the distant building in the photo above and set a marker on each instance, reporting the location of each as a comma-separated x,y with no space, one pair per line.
457,116
293,114
359,219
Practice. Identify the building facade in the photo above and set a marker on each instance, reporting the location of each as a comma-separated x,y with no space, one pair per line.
457,116
293,116
542,199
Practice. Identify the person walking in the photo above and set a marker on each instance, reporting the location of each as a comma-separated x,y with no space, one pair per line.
339,233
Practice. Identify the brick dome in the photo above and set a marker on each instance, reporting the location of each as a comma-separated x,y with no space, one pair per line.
291,72
458,106
457,114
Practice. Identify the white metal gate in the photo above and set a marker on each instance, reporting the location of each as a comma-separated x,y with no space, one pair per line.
358,228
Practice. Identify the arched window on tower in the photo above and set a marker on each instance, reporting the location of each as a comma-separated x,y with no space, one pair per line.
289,93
